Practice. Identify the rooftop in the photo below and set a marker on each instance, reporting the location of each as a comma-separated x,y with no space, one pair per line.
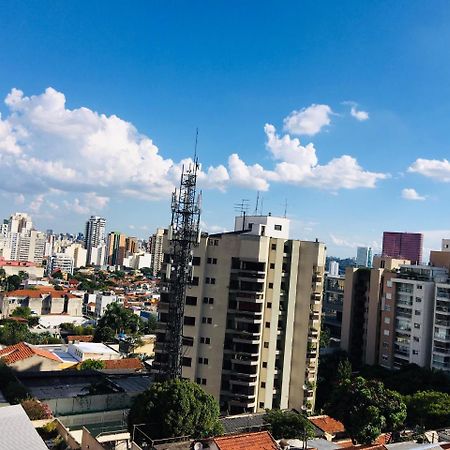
327,424
22,350
248,441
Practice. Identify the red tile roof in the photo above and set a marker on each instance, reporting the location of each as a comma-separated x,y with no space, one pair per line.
81,338
39,292
248,441
327,424
22,350
126,363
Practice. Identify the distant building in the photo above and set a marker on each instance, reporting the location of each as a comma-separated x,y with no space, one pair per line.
62,262
156,249
116,248
400,245
333,269
333,301
364,257
95,235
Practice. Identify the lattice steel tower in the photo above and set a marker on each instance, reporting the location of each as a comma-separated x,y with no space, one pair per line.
183,234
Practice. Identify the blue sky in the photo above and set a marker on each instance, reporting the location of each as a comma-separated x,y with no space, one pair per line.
102,100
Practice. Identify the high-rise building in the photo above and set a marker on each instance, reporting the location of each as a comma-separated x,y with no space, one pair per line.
62,262
252,317
333,268
156,249
131,245
361,312
403,246
116,246
364,257
95,234
333,301
20,223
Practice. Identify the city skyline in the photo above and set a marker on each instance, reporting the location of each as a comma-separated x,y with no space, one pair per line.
95,123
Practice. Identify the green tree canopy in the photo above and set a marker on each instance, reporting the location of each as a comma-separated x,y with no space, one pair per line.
366,408
429,409
13,282
22,311
289,425
118,319
176,408
92,364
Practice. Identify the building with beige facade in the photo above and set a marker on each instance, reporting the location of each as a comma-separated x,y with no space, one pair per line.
252,317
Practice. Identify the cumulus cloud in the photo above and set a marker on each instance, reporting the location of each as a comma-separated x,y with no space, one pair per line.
299,165
411,194
308,121
359,115
432,168
80,158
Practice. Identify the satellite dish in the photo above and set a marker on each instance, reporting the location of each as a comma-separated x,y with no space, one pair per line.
198,446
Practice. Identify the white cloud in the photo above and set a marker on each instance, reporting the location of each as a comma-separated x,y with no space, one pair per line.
299,165
411,194
359,115
308,121
432,168
81,158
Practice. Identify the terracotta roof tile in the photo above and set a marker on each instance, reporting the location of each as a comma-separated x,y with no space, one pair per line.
22,350
248,441
327,424
126,363
80,338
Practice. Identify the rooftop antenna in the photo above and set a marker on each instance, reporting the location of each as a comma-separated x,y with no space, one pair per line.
242,208
285,207
257,203
195,148
261,208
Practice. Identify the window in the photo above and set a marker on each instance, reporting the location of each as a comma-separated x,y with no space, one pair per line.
210,280
415,352
274,246
206,320
196,260
207,340
388,283
386,332
188,320
267,324
417,313
194,281
186,362
263,384
269,304
419,286
261,405
208,300
417,326
211,260
191,300
203,361
266,345
418,300
277,227
387,320
272,265
264,364
385,345
188,341
202,340
388,296
270,285
416,339
204,381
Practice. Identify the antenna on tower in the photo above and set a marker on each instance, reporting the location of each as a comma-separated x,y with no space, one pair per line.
195,148
257,203
285,207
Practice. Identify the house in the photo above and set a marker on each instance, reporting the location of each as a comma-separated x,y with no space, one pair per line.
331,429
247,441
23,356
92,350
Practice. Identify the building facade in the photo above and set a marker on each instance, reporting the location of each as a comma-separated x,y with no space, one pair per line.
403,246
95,235
252,317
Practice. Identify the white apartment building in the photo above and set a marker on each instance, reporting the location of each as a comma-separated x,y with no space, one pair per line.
77,253
138,260
252,317
62,262
440,358
102,300
156,250
95,235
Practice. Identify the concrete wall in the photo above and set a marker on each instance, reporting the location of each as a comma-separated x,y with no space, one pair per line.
35,363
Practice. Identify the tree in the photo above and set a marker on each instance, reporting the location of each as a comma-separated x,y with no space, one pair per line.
366,408
57,275
22,311
13,282
119,319
149,325
429,409
289,425
176,408
92,364
13,332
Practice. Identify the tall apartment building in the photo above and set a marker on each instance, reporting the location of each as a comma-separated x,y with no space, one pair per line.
364,257
412,321
62,262
156,249
333,302
116,248
252,317
333,269
363,294
94,235
403,246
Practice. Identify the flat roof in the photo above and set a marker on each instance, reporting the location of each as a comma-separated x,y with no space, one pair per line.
17,432
94,347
